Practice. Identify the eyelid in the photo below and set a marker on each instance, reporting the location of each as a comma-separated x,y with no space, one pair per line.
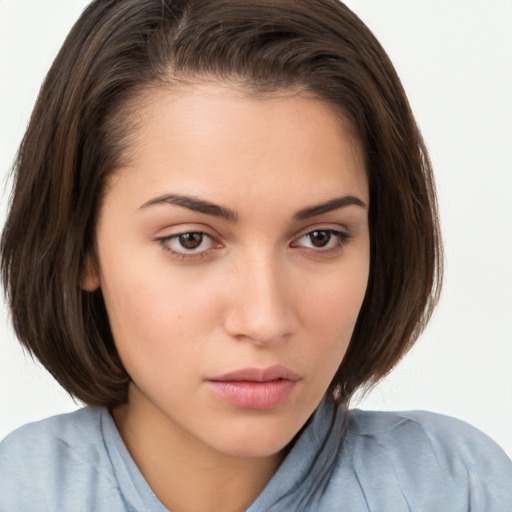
340,233
338,228
189,255
342,236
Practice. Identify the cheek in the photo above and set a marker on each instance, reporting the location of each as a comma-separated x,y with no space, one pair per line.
153,311
330,309
333,304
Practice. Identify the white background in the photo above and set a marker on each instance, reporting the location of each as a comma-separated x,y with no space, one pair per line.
455,60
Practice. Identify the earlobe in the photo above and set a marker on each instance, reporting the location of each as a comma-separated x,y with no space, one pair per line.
89,276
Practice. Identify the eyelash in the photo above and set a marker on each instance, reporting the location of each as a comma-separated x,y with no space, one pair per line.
190,255
341,239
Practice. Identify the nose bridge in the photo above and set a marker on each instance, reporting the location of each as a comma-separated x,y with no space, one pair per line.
262,309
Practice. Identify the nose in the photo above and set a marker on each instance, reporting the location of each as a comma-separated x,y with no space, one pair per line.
262,303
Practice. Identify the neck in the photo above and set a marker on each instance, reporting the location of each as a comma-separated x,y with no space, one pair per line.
184,474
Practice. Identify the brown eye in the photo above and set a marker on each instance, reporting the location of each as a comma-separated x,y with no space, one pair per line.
192,245
320,238
190,240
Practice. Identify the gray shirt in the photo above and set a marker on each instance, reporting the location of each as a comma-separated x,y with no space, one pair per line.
373,461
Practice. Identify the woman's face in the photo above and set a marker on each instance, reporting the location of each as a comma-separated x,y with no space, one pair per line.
233,257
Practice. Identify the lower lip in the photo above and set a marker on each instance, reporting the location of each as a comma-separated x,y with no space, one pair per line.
254,395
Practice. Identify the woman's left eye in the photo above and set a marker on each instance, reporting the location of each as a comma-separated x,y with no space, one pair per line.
189,243
322,239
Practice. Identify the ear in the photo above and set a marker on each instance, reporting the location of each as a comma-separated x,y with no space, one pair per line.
89,275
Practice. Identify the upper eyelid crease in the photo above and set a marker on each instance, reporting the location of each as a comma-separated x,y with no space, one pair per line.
208,208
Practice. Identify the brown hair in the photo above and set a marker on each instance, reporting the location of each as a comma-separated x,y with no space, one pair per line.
79,132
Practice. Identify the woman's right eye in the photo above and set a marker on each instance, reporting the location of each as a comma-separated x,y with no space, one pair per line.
190,243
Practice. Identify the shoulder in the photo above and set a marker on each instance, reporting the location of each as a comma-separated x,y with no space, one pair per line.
434,461
442,435
55,463
70,435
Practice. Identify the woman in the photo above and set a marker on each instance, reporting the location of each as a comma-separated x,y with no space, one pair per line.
223,225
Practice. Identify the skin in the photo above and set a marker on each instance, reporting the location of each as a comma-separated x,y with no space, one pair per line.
255,292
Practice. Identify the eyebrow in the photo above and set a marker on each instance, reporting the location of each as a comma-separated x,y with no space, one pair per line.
208,208
194,204
329,206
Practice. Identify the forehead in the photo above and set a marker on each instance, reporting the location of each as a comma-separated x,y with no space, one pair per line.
213,138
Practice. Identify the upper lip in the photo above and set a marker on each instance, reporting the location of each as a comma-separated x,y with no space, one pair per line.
258,374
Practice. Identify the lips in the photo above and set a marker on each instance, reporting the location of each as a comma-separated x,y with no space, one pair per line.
258,374
255,388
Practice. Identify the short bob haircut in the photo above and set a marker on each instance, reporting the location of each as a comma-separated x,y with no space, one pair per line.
80,131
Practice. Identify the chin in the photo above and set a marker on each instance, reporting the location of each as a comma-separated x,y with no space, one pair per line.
257,442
